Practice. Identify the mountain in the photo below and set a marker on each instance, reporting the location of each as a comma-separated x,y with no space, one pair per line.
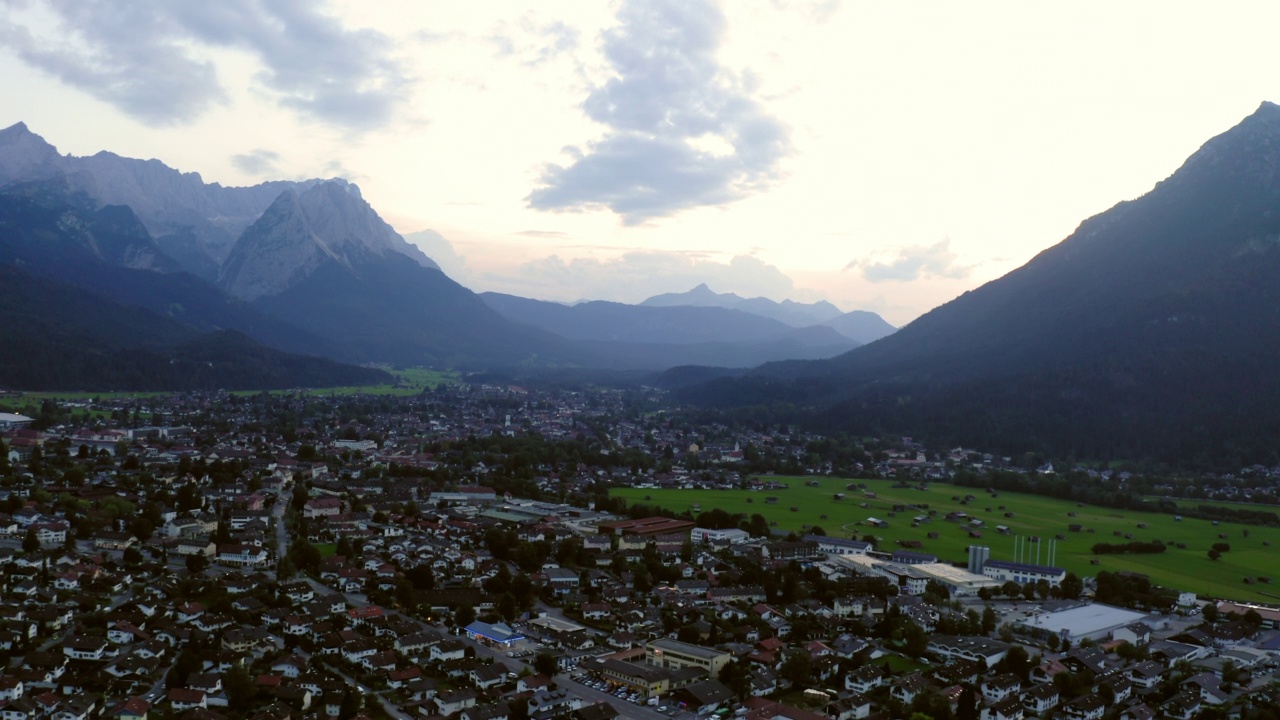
1149,333
674,325
633,336
322,260
860,325
66,338
49,231
789,312
195,223
327,222
310,268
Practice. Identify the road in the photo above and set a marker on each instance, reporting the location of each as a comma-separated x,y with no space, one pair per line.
282,535
392,710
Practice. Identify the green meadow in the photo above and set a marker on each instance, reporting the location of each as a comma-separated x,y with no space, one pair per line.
800,507
410,381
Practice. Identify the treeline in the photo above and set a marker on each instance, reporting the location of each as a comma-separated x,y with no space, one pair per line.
1131,590
1135,547
1243,516
1074,486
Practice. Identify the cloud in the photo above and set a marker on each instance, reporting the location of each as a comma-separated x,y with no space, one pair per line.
258,162
441,251
151,59
815,11
682,131
543,233
913,263
533,42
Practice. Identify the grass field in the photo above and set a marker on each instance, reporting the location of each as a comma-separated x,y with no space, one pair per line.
1182,569
411,382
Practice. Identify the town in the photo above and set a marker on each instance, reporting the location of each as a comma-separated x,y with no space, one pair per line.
458,554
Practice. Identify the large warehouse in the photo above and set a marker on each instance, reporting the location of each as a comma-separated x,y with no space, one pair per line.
912,579
1094,621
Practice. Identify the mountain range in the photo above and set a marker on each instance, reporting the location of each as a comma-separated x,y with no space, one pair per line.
310,268
1151,332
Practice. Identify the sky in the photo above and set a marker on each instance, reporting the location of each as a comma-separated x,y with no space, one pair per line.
881,156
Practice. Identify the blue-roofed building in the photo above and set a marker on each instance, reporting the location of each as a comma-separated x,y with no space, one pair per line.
496,633
1022,573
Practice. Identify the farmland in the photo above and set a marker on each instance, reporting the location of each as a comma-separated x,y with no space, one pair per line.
409,381
800,506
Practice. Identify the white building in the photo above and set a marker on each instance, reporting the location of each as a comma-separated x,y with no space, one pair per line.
1022,573
708,536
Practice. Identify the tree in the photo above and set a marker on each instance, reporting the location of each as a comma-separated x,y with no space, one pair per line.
464,615
1016,661
1214,554
1070,587
1210,613
798,668
197,563
30,543
545,664
132,555
305,555
736,676
967,708
240,688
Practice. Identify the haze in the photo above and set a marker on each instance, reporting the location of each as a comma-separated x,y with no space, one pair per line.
884,157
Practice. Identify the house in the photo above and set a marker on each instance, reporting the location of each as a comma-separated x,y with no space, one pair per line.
86,647
1000,687
239,555
1138,633
487,676
134,708
552,702
1007,709
10,688
703,697
1183,706
1085,707
181,699
1040,698
1209,686
906,688
455,701
864,679
448,650
322,507
1147,674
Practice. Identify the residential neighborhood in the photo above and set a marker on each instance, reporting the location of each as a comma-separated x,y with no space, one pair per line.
457,554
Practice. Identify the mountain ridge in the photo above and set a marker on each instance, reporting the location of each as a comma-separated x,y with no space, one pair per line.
1155,310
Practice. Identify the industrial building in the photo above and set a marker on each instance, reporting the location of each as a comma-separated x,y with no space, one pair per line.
1094,621
673,655
913,579
646,527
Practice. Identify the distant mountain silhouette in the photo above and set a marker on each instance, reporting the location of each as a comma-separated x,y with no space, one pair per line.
60,337
1151,332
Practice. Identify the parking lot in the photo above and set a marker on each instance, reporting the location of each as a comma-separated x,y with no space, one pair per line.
623,692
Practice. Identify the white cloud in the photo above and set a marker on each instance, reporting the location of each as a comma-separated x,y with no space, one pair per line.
914,263
260,161
152,59
682,131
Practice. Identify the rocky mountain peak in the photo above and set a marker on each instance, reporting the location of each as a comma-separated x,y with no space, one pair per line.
25,155
328,222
